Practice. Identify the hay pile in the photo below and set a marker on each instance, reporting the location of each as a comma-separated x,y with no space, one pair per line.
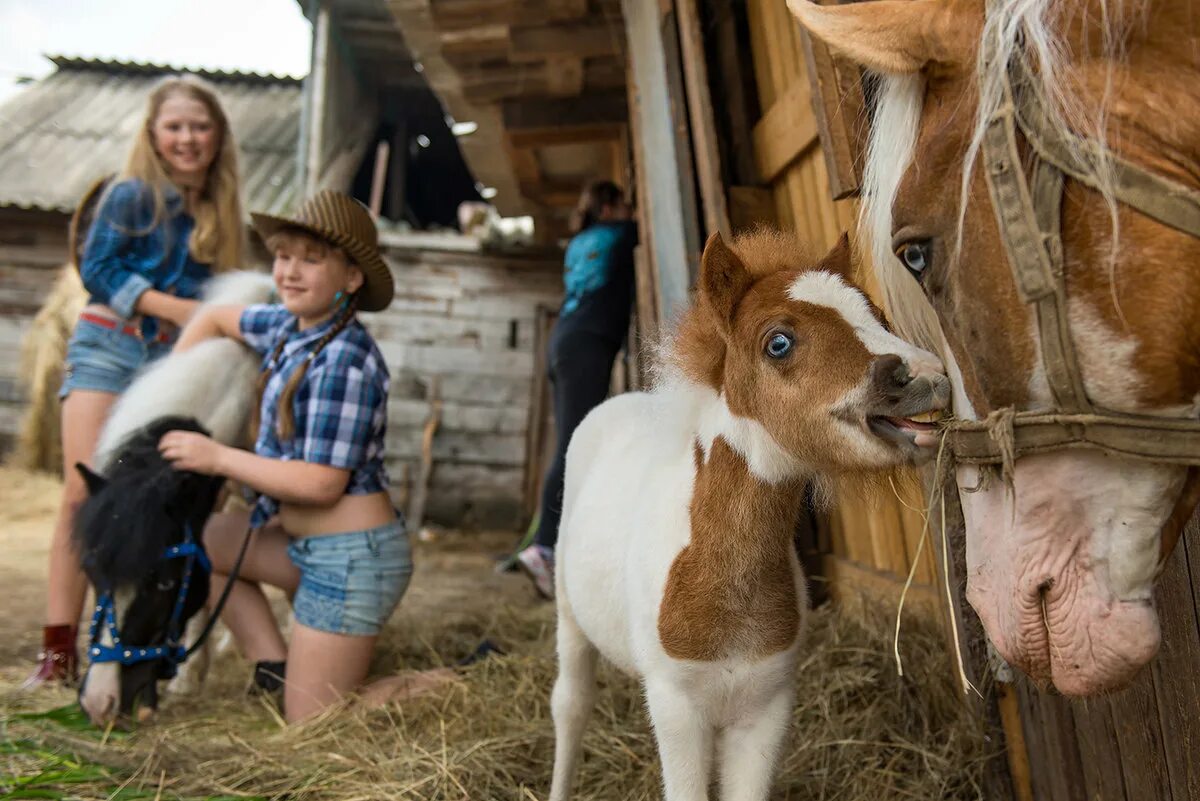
860,733
43,350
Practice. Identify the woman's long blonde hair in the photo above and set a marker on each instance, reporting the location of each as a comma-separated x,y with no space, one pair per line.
219,235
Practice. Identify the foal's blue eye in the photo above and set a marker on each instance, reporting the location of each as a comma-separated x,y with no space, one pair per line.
779,345
915,256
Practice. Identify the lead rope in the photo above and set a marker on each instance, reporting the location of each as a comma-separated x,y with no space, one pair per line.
215,615
938,492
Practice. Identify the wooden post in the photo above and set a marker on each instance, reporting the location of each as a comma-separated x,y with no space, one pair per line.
379,177
420,494
398,173
318,88
704,129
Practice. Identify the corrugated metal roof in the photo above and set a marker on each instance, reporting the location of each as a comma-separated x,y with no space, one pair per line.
60,134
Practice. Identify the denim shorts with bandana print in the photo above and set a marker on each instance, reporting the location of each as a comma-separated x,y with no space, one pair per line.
351,583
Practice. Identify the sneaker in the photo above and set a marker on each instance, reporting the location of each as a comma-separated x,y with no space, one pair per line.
537,562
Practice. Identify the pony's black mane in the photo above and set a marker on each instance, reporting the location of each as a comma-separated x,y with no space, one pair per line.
140,507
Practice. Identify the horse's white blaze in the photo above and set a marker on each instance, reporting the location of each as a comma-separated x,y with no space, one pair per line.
100,696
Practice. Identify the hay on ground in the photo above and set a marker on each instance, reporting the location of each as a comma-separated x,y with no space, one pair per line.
43,351
860,732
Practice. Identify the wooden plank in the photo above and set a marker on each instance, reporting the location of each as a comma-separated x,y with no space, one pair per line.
1099,755
566,135
703,124
851,582
577,39
1015,749
673,57
1176,672
538,429
420,489
750,206
564,76
1063,764
785,132
605,108
840,111
1140,738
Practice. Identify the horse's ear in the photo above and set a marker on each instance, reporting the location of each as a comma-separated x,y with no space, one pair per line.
840,260
895,37
724,279
95,482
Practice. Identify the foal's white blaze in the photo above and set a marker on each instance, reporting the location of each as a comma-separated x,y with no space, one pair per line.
826,289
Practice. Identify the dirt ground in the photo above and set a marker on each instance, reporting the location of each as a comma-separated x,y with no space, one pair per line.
454,575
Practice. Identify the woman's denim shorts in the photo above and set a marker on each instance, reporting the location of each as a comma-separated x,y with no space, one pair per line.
105,359
351,583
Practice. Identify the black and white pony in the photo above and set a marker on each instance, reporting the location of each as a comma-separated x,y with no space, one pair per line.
139,532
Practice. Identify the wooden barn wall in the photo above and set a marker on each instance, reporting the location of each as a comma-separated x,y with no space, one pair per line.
33,246
463,333
873,540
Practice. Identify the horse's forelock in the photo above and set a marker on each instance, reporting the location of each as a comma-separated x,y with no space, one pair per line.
122,530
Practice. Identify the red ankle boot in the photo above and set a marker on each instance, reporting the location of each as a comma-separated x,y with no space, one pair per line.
57,663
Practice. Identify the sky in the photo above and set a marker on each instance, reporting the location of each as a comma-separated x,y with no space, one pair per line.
255,35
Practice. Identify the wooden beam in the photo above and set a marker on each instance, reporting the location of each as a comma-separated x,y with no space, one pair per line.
564,76
704,130
602,108
581,40
785,132
541,137
317,86
840,110
478,43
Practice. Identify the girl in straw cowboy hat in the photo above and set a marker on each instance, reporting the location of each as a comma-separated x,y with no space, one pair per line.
327,533
169,220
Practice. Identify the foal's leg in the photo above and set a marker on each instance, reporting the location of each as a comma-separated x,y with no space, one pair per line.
189,680
685,741
573,697
750,749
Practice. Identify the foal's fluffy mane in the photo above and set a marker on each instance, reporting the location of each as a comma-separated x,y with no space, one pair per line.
695,348
123,527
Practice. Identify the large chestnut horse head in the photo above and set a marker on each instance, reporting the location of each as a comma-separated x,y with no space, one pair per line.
1076,308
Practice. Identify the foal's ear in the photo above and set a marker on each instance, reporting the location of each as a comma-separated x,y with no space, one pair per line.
839,261
724,279
95,482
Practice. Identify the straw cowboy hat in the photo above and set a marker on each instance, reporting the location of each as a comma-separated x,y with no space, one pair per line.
346,223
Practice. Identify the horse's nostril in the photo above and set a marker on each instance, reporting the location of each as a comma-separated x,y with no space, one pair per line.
890,373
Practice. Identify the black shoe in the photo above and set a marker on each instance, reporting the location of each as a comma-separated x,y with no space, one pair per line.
269,677
482,651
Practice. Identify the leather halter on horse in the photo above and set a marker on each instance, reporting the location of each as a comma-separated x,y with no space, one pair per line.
1029,221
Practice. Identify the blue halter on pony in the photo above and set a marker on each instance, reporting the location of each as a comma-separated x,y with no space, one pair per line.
172,652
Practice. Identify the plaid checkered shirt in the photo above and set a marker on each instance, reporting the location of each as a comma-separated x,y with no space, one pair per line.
340,407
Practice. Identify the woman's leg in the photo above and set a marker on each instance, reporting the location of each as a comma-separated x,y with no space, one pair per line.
322,667
83,415
582,373
247,611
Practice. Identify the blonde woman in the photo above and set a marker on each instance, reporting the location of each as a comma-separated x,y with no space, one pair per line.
168,221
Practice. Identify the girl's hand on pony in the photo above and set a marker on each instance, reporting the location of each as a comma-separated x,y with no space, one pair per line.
187,450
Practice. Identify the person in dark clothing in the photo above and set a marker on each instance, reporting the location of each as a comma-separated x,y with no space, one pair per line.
592,324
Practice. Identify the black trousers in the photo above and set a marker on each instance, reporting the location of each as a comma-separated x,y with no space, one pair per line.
581,366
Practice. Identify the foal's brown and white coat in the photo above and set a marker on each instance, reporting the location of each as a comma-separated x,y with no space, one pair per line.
675,556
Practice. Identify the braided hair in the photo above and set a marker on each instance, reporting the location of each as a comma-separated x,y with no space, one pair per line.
286,425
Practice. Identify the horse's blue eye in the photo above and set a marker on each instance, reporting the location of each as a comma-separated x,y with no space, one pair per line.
779,345
915,257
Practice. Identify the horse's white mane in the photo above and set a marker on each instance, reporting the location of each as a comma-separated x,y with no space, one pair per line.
212,382
1024,29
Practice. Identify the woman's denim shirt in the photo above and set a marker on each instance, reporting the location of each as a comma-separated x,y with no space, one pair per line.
126,253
